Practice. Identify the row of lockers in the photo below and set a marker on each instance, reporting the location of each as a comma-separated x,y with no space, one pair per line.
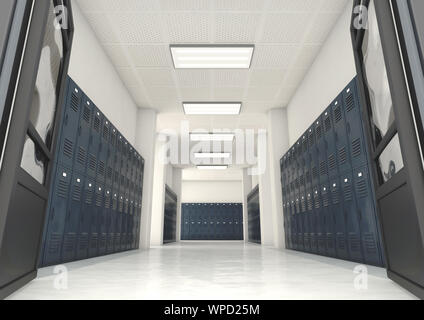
212,221
88,214
329,207
254,215
170,216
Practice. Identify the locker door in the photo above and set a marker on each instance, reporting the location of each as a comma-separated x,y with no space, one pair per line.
357,144
329,220
184,222
321,147
105,220
352,219
93,249
342,145
124,228
85,219
310,243
57,216
73,218
103,149
331,143
118,228
131,223
368,220
339,217
83,136
320,221
94,144
68,135
113,216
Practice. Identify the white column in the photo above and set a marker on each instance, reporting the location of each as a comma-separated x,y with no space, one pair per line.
145,144
246,188
177,185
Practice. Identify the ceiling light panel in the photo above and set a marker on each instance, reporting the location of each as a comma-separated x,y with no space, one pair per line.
212,57
206,155
212,136
210,108
212,167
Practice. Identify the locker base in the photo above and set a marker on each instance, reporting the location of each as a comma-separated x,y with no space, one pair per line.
17,284
406,284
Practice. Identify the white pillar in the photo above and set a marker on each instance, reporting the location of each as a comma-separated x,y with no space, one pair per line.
247,187
177,185
145,144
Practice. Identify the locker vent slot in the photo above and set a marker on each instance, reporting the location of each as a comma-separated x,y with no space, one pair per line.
109,173
69,242
74,103
98,199
335,194
314,173
350,103
76,195
55,243
94,241
81,156
323,168
341,241
347,191
68,147
370,243
106,133
361,187
319,132
101,168
107,202
356,148
302,180
325,200
311,140
327,124
114,203
330,241
62,189
83,241
332,162
337,114
310,204
354,242
121,206
89,196
303,204
342,155
92,163
97,124
317,202
86,115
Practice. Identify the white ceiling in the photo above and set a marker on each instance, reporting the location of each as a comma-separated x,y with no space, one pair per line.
287,35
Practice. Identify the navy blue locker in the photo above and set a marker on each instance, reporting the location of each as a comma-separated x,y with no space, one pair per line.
239,222
339,218
131,223
113,216
124,228
321,149
57,216
330,242
368,219
104,220
118,225
85,219
73,218
184,221
355,134
313,155
331,145
287,227
83,137
69,129
310,232
93,249
94,144
102,157
138,223
342,143
124,155
352,219
320,220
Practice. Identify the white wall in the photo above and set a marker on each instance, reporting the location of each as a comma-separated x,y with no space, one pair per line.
92,70
332,70
212,192
247,188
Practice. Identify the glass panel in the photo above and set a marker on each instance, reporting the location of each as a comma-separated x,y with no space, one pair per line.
382,115
390,162
45,95
33,161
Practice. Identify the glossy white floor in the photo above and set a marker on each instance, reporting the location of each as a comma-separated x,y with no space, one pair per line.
211,271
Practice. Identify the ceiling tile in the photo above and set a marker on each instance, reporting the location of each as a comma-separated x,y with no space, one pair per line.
193,78
196,94
236,27
294,5
334,5
156,77
273,56
117,55
267,77
239,5
162,93
321,27
229,94
103,30
188,27
277,26
150,55
264,93
185,5
138,27
231,78
115,6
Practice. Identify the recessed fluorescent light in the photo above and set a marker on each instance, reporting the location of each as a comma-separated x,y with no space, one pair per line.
212,167
212,108
212,136
208,155
212,56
